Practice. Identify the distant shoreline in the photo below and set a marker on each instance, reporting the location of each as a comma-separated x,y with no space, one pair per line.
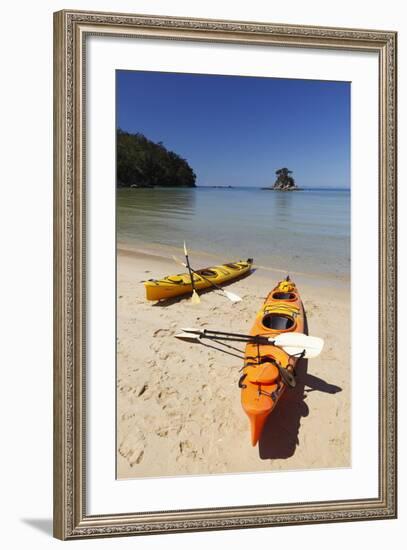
280,189
235,187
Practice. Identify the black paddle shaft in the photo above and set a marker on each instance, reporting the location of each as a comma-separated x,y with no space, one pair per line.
235,334
246,340
205,279
190,273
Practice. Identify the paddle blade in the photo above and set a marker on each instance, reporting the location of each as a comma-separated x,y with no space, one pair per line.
185,336
295,342
185,249
195,299
288,377
179,262
193,330
232,297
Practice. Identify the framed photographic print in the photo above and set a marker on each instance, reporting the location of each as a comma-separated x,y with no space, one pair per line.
225,274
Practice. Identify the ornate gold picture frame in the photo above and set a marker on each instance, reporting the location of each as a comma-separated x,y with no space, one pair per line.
72,520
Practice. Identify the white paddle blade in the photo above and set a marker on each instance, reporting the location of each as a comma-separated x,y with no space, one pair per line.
178,261
195,299
296,342
232,297
193,330
186,336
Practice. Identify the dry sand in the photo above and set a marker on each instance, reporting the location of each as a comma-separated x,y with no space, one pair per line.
178,404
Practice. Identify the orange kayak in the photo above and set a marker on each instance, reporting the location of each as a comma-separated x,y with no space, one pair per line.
263,380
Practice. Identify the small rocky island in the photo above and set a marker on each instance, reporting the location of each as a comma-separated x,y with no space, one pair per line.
284,181
143,163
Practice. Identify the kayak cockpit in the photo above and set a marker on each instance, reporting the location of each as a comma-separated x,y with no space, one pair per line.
275,321
286,296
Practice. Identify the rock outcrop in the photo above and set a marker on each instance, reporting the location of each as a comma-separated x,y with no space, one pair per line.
284,181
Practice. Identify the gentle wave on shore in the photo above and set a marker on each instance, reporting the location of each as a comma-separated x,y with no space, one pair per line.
306,232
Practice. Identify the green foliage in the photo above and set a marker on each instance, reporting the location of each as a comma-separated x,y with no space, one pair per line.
143,163
283,172
284,180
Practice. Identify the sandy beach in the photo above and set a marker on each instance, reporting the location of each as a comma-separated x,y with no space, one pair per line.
178,403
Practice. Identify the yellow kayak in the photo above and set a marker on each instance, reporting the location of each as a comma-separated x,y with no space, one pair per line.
176,285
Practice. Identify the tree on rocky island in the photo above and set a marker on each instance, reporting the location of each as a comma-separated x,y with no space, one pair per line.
284,181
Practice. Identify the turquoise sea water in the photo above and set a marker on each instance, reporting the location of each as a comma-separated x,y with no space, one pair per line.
304,231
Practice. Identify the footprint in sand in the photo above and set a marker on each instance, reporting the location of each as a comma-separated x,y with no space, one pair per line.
142,390
125,388
164,355
128,416
132,449
162,332
162,432
156,347
190,451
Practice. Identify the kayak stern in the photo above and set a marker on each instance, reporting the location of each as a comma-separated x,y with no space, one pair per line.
257,422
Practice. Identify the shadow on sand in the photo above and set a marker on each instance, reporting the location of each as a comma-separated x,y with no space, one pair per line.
239,355
279,438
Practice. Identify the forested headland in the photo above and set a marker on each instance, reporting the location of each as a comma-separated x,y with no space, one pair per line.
143,163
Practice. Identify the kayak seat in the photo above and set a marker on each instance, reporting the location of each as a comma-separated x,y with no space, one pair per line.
266,373
284,296
207,272
275,321
175,279
182,279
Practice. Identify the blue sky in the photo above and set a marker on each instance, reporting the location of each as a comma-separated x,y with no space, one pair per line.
239,130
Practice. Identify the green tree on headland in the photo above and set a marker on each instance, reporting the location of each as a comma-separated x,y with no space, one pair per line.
143,163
